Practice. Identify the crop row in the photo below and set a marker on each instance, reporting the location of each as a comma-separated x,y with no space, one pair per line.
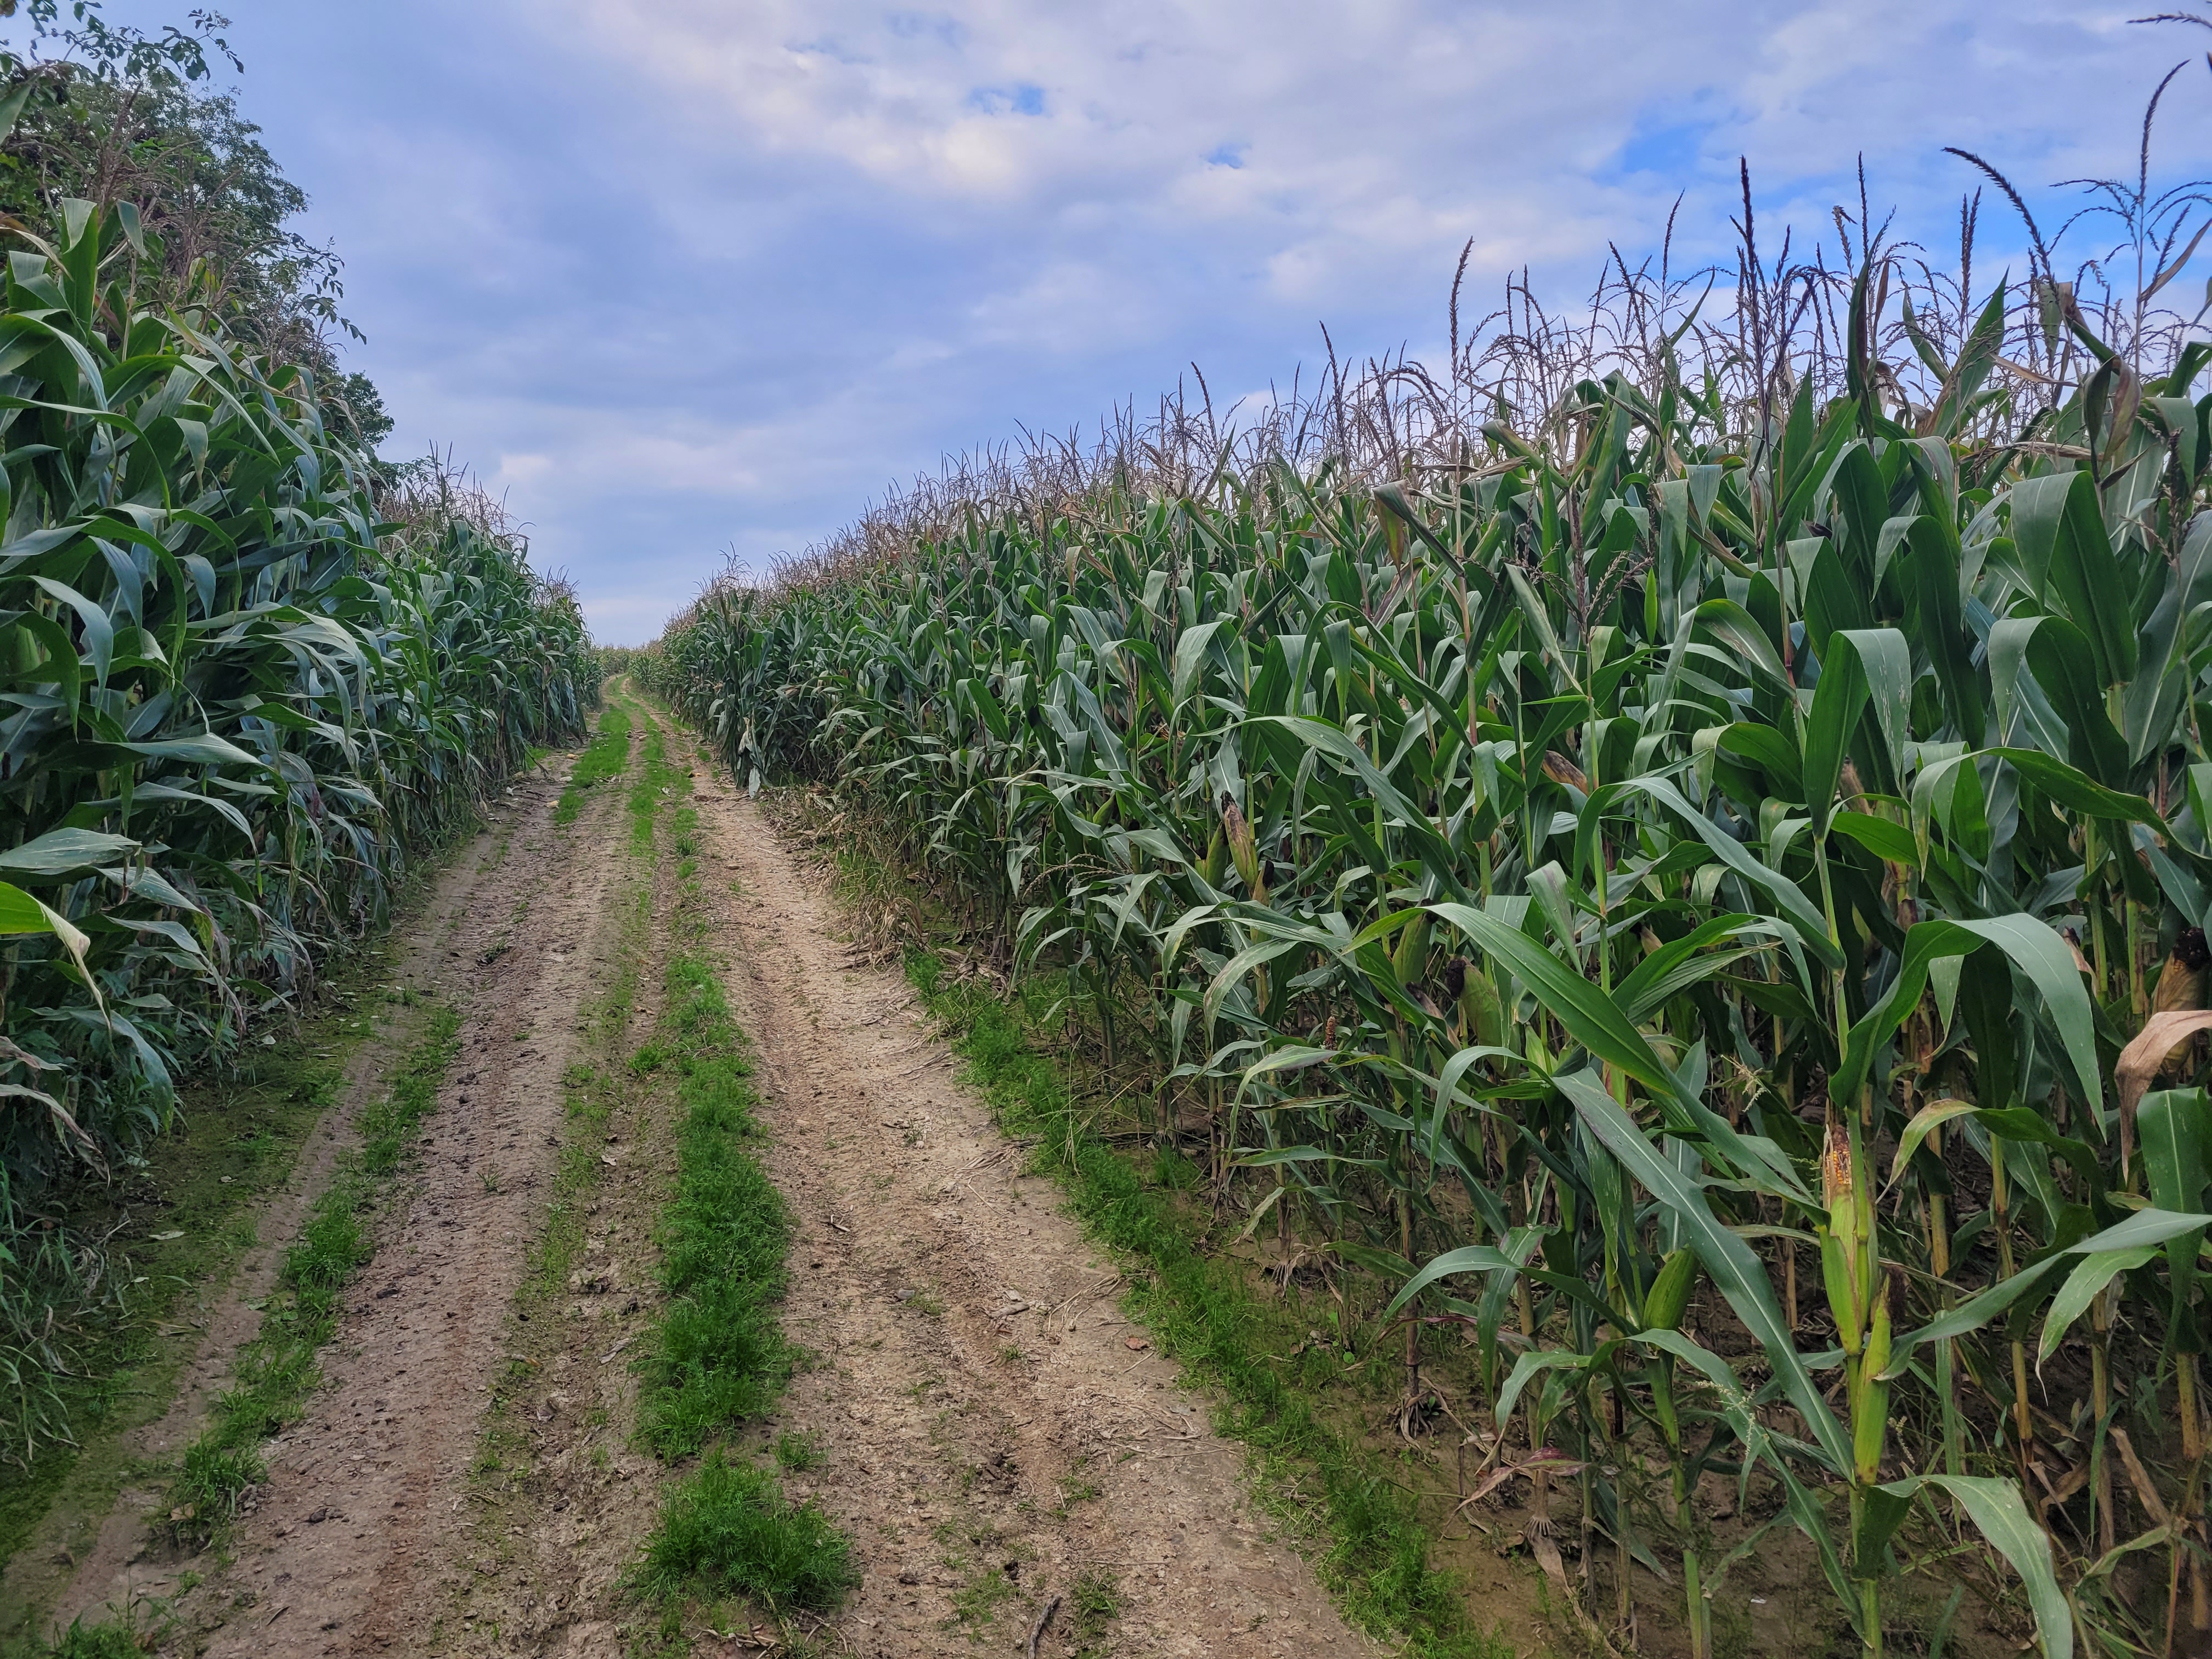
236,701
1690,874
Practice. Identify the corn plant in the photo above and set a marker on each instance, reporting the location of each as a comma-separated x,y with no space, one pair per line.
1679,842
238,699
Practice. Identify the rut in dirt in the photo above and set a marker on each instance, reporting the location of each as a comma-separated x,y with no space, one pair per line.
997,1434
360,1501
363,1496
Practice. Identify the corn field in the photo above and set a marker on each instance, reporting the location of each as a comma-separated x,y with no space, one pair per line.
1680,842
244,683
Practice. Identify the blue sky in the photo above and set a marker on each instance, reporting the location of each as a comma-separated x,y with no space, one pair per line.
681,276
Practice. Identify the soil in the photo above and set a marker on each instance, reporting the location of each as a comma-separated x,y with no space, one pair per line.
76,1563
359,1505
995,1428
995,1436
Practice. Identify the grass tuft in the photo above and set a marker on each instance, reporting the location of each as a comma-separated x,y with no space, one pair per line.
1093,1605
797,1453
727,1530
605,756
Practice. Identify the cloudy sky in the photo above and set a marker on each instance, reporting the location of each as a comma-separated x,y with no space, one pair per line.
688,277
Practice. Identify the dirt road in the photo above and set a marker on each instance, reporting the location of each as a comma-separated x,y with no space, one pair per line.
998,1433
993,1436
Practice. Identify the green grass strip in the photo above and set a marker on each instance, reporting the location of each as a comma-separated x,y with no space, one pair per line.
276,1370
656,780
605,756
720,1358
388,1125
1199,1309
718,1361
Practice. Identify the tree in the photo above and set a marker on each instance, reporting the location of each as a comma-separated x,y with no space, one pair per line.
110,114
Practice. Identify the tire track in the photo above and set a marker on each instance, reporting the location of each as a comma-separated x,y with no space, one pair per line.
361,1506
997,1434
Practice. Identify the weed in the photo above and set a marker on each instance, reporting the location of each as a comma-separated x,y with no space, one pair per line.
203,1498
1173,1172
123,1637
798,1452
727,1530
1093,1604
242,1132
1073,1490
976,1603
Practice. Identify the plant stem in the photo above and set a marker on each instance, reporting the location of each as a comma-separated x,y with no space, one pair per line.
2023,1424
1700,1615
1939,1259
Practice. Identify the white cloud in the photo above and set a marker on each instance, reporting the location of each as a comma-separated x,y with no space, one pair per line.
1331,108
700,274
513,470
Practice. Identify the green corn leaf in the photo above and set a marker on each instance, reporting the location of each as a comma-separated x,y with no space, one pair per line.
2082,1287
1468,1259
1861,662
1595,1021
2174,1127
1811,927
2033,948
1925,1121
61,853
2002,1517
2143,1228
2060,532
21,914
1735,1272
1540,1362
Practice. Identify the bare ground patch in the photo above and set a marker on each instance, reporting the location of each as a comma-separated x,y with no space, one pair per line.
361,1507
